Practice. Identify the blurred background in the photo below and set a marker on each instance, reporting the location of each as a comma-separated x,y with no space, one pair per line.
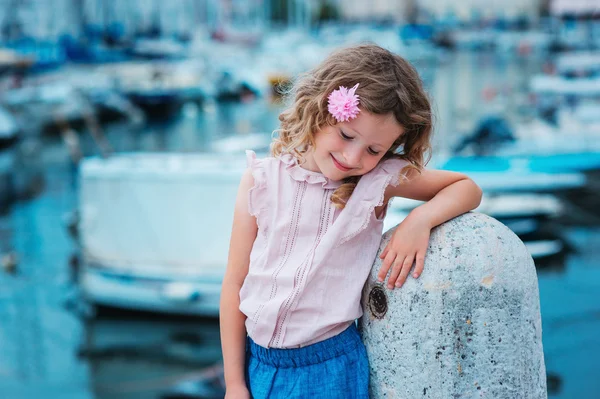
122,130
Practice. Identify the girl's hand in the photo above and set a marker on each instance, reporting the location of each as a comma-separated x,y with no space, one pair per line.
237,392
408,245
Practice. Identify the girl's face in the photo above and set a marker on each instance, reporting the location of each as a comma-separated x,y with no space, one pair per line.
352,148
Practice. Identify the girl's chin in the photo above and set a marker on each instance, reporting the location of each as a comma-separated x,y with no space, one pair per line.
332,173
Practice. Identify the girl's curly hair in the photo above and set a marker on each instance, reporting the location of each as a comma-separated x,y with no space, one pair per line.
388,84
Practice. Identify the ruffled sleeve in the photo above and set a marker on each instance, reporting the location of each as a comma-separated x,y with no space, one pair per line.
369,194
257,195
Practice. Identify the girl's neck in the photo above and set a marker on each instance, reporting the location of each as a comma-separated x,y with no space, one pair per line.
309,162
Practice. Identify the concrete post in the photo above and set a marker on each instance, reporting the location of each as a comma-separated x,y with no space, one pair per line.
469,327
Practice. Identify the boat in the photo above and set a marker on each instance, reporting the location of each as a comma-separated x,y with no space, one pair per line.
523,213
159,89
545,248
154,230
540,249
523,227
43,107
11,61
507,179
92,50
522,42
537,169
157,49
559,85
258,142
503,207
472,39
578,64
535,147
44,55
230,86
109,105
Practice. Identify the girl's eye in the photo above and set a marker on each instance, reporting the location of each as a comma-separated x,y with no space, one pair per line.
372,152
344,136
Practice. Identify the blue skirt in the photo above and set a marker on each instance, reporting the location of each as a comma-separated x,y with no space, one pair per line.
336,368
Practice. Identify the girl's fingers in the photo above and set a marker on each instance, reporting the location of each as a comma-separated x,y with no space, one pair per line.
419,266
396,269
406,266
385,266
384,253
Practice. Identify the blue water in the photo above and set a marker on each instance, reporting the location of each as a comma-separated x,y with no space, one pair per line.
570,305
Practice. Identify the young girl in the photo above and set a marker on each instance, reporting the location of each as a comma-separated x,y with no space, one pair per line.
308,224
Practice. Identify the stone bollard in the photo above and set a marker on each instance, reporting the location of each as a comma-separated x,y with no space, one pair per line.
469,327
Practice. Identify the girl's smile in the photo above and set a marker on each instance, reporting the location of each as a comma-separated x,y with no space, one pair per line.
339,165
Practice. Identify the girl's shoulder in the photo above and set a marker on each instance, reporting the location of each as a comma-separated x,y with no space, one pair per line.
369,196
252,160
390,170
262,168
265,170
258,195
371,187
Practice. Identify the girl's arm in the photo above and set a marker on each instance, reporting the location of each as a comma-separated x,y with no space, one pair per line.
233,331
448,194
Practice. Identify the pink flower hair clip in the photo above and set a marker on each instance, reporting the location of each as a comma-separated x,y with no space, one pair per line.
343,103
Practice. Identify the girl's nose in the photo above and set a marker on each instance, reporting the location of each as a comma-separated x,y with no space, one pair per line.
352,156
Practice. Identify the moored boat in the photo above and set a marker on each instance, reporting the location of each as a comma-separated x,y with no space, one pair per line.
154,230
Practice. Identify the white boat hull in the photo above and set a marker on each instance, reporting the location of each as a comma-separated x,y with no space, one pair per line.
197,297
503,206
154,230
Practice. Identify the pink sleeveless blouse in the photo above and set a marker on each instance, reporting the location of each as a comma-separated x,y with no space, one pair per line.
310,260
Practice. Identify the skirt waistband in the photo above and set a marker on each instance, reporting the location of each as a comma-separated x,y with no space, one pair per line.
346,341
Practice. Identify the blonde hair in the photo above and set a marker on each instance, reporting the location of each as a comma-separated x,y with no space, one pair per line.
388,84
